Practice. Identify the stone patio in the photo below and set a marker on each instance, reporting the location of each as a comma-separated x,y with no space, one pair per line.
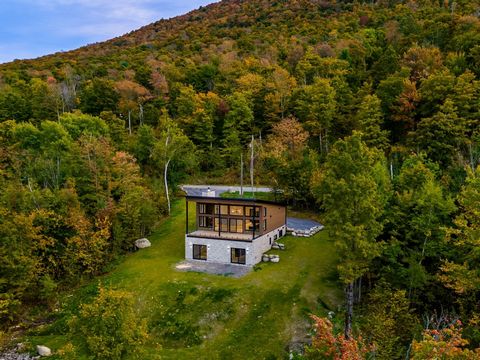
232,270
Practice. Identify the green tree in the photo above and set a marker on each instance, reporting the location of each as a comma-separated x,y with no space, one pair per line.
417,215
98,95
370,120
232,147
442,135
109,326
14,105
352,188
18,263
461,272
78,124
389,322
433,92
316,107
144,143
288,160
45,100
388,63
172,146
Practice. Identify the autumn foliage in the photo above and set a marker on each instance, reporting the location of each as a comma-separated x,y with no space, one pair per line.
444,344
327,345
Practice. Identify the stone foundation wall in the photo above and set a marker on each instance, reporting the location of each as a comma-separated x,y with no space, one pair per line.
219,250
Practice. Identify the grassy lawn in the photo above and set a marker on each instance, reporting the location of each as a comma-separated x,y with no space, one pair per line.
250,195
199,316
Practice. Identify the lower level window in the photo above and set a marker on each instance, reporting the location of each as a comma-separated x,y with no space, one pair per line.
237,256
200,252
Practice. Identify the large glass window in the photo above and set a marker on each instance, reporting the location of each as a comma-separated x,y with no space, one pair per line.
200,252
223,223
252,211
205,222
236,225
237,256
205,209
252,225
221,209
236,210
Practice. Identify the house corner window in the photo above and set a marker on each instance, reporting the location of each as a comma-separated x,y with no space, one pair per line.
264,224
200,252
238,256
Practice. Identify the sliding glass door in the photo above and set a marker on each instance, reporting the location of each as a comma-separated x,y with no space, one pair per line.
238,256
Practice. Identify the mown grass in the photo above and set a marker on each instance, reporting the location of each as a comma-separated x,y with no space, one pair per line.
252,195
201,316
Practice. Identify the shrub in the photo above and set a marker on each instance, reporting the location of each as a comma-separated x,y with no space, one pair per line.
110,327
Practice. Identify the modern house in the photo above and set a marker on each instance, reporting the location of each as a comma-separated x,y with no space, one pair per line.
232,231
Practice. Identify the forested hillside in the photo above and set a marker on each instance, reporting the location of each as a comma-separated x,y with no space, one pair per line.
367,113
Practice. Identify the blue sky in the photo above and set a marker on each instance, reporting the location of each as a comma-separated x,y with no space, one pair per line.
31,28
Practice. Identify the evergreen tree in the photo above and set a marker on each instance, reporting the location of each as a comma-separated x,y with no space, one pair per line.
442,135
370,121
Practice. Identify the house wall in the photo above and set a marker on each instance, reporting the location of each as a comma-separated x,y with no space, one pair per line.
275,217
219,250
276,213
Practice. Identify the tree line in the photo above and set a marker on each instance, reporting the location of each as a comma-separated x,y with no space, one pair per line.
368,113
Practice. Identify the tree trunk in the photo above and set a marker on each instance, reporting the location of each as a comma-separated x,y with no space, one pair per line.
141,113
349,310
470,152
359,289
166,184
129,122
326,141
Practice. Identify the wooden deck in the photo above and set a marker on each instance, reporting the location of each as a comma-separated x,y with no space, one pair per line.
223,235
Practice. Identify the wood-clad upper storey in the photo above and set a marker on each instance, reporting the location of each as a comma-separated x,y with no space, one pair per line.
235,219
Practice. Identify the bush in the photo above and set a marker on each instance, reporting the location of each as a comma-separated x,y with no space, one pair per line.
110,327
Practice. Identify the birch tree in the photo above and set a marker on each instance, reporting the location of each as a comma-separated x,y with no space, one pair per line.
172,146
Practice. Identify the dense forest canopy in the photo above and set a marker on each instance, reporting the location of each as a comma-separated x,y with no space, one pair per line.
367,112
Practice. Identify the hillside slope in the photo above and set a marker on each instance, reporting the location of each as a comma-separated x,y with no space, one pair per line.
94,141
193,315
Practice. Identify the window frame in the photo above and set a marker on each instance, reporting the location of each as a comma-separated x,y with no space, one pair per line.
199,254
238,257
219,209
242,210
236,226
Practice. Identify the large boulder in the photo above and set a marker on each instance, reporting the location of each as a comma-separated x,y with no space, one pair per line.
142,243
43,350
265,258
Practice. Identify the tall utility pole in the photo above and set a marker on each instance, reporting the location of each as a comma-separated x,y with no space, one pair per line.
251,167
241,175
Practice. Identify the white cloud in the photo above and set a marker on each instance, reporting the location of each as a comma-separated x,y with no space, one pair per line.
101,18
37,27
